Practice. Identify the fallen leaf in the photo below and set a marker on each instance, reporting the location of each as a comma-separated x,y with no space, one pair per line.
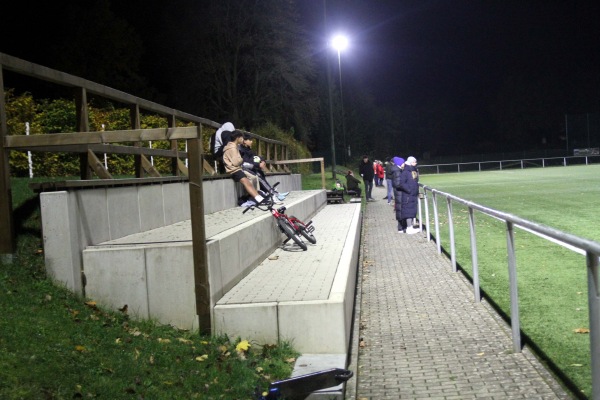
244,345
290,360
202,357
161,340
81,349
581,330
185,341
274,257
480,354
123,309
576,365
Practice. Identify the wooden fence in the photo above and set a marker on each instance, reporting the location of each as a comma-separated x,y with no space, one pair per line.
88,144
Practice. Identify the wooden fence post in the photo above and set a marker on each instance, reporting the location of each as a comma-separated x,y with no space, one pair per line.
201,281
7,232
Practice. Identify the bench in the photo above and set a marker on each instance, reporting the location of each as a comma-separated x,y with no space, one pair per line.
336,196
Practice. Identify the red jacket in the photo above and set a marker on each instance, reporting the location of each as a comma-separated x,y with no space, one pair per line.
379,170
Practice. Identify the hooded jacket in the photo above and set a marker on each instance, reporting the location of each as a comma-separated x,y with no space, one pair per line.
226,127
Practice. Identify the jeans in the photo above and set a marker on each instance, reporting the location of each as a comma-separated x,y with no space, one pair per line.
390,190
368,188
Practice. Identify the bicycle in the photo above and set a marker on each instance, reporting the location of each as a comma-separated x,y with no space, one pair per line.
291,226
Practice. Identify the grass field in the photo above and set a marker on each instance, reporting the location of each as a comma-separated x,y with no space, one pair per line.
552,280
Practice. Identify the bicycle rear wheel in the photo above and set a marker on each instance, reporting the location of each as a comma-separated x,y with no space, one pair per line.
290,232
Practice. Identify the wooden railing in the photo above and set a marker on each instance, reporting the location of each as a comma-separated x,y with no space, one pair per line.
87,144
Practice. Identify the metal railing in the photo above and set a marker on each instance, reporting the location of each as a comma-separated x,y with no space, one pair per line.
589,247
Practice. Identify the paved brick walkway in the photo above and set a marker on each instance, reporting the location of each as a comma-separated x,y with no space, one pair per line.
423,335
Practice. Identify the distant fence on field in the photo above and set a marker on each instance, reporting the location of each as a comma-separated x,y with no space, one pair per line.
500,165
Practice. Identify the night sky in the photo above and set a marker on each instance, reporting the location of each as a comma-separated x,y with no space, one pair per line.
461,51
454,54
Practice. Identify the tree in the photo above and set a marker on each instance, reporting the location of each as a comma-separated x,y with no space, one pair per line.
243,61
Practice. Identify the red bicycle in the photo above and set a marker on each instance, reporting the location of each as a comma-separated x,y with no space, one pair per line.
291,226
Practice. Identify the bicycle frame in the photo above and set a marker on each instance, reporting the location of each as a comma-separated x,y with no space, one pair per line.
291,226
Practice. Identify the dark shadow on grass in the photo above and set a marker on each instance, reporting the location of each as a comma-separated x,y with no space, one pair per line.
23,214
525,339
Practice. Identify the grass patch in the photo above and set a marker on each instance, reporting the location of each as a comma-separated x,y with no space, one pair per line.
56,345
552,280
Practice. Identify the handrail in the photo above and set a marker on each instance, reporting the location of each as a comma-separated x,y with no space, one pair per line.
590,247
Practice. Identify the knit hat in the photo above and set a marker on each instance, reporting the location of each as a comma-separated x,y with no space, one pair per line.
411,160
398,161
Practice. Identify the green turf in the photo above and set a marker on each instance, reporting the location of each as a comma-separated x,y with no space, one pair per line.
552,280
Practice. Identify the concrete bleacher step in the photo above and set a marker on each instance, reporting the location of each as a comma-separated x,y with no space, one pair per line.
304,297
152,271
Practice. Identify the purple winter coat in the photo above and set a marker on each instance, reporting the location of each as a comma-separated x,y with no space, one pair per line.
409,185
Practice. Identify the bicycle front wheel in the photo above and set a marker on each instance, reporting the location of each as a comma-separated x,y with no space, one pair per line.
290,232
302,229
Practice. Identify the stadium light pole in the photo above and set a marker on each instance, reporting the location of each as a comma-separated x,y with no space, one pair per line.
331,118
340,43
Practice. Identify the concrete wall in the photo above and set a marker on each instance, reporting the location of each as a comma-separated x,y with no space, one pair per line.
156,280
75,219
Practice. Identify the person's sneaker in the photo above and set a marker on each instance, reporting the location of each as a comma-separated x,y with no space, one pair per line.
282,196
411,231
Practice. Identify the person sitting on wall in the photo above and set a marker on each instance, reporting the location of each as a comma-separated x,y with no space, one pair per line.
233,166
352,184
256,165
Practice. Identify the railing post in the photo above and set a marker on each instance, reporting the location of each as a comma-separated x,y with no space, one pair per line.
474,258
135,123
174,147
593,276
514,294
7,232
437,224
451,230
83,125
427,214
201,272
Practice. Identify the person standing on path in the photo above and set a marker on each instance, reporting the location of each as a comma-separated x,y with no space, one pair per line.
409,185
388,180
379,173
396,174
365,169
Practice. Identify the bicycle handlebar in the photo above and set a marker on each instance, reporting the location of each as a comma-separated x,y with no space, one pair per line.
261,207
